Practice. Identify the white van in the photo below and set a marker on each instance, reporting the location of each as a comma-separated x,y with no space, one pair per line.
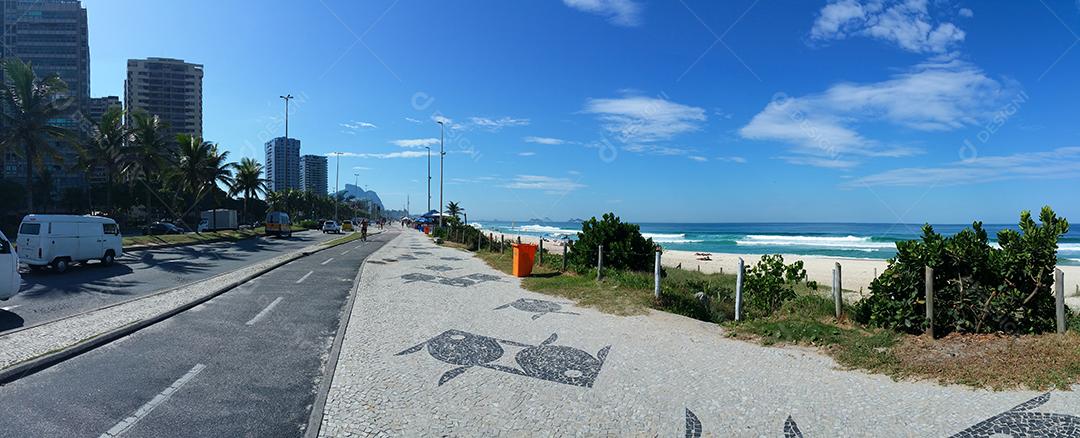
10,281
60,240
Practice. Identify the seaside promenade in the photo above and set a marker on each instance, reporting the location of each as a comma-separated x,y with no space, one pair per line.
440,344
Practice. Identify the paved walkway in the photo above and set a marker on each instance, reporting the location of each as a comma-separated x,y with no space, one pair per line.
441,344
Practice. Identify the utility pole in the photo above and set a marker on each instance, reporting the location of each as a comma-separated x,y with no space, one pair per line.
428,179
442,154
337,186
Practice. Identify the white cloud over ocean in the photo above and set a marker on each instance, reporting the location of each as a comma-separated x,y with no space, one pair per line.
908,24
1054,164
625,13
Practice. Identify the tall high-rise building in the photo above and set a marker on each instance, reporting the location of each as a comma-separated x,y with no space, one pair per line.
168,88
52,36
283,164
98,106
313,174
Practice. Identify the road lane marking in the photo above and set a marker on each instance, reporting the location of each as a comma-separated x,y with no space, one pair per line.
328,260
358,246
145,409
262,314
301,280
346,252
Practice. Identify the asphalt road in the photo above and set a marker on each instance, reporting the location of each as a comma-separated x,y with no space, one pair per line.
246,363
46,296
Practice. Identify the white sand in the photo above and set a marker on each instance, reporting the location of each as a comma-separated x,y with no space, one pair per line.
857,273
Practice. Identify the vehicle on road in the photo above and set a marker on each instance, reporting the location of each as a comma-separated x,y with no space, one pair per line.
347,226
161,228
331,227
57,241
10,280
278,224
218,219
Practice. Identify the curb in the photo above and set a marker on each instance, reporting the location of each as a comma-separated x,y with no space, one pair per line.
179,244
315,419
31,366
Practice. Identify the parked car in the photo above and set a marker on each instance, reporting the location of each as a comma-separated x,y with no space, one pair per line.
10,280
60,240
347,226
331,227
160,228
278,224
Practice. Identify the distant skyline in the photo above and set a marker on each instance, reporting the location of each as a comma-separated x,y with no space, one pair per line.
741,111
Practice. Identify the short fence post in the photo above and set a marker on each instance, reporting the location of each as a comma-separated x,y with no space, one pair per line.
738,291
564,256
838,290
519,240
541,256
1059,293
930,301
656,277
599,261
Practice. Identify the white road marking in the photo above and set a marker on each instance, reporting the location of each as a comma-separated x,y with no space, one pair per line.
8,308
262,314
346,252
301,280
145,409
358,246
328,260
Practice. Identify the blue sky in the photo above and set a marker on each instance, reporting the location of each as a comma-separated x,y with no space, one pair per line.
705,111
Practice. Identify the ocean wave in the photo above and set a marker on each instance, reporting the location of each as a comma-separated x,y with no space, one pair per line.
544,229
1069,247
853,243
669,238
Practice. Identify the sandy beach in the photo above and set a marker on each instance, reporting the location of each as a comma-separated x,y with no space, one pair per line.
857,274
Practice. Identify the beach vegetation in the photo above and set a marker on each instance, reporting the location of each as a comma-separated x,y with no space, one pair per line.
623,245
770,283
978,288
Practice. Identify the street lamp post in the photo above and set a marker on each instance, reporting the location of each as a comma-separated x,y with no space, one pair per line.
337,186
442,154
428,178
286,98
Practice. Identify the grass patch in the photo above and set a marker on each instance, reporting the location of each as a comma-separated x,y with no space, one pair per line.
192,238
995,362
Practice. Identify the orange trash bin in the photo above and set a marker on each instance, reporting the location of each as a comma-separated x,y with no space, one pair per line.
524,256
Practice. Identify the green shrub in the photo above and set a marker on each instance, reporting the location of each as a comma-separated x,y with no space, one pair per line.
767,285
977,288
309,224
624,246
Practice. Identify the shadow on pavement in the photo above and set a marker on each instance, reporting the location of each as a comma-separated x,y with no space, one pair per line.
82,278
9,320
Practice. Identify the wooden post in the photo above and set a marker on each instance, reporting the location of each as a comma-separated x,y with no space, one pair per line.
519,240
1059,293
838,290
540,255
599,261
738,291
564,247
656,277
930,301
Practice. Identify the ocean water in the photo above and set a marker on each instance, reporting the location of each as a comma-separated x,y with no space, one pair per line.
869,241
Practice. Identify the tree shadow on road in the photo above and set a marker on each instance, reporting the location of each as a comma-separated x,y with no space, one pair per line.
9,321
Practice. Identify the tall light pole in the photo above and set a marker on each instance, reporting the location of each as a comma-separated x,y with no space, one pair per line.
428,179
286,98
442,153
356,179
337,185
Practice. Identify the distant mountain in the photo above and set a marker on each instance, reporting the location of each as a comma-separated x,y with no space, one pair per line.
359,193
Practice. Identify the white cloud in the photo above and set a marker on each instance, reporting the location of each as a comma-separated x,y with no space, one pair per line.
361,168
667,151
739,160
416,142
497,124
355,126
618,12
526,154
1055,164
906,23
639,119
940,95
412,120
402,154
698,158
547,184
966,12
544,140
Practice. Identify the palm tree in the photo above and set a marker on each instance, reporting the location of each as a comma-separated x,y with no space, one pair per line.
31,104
248,181
105,150
145,155
454,209
201,166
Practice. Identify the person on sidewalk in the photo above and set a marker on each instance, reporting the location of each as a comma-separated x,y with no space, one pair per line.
363,230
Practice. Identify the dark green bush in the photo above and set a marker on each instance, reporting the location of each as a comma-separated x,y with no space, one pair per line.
624,246
977,288
767,285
